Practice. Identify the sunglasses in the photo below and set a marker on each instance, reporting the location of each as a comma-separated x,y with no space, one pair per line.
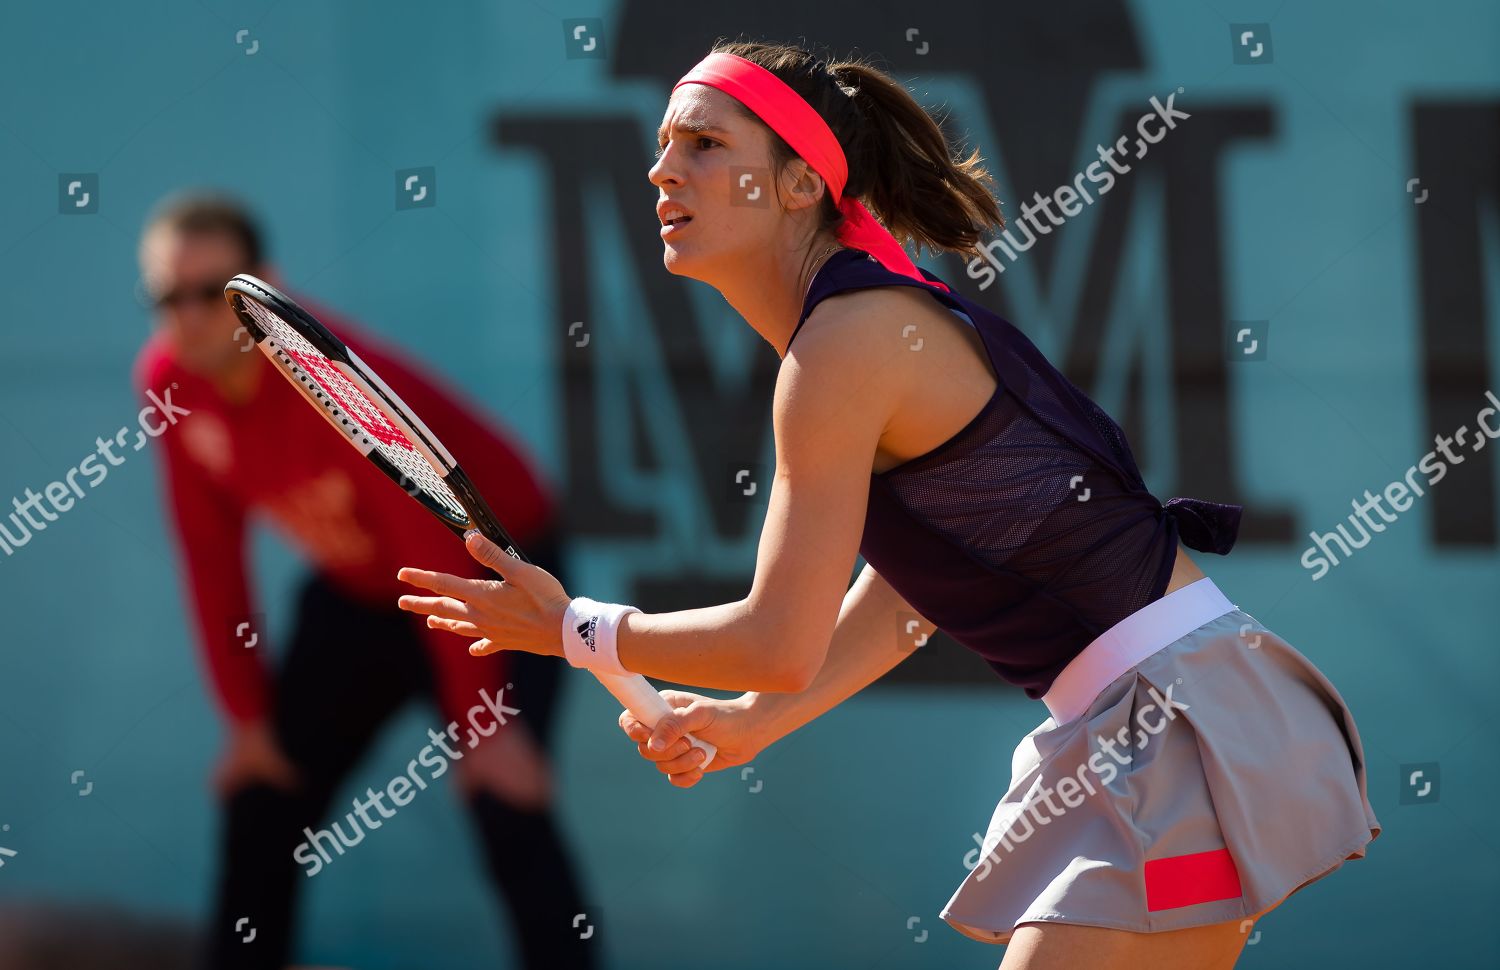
182,295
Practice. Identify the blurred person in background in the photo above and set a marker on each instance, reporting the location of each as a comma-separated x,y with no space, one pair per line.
250,446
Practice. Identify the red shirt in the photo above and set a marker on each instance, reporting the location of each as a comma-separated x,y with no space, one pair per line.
273,456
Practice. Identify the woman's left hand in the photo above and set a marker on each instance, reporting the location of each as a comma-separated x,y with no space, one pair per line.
522,612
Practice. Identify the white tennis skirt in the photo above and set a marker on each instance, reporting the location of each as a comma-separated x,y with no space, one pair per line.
1195,769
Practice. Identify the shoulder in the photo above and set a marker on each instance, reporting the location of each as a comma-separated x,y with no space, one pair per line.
852,366
861,338
877,315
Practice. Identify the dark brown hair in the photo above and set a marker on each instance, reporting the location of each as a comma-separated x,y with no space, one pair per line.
198,211
901,164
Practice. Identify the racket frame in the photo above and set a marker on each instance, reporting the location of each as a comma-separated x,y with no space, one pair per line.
365,380
633,692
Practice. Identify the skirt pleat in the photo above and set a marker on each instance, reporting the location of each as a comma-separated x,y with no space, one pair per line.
1205,784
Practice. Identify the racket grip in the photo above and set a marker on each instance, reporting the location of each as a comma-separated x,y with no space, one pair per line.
637,695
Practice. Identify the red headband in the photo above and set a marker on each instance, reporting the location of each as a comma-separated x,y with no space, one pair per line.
801,127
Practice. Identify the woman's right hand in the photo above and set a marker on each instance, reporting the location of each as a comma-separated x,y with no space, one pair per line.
253,755
726,724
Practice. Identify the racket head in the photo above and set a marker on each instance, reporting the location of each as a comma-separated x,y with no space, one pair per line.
362,407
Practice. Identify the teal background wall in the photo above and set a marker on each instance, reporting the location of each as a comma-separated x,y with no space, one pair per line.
863,819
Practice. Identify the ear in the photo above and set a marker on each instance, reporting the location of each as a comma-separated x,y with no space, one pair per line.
801,187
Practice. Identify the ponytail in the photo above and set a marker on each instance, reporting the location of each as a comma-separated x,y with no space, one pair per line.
900,162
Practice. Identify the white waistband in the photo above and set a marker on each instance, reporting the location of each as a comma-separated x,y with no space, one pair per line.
1130,641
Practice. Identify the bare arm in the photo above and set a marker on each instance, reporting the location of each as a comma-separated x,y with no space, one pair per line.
834,395
870,639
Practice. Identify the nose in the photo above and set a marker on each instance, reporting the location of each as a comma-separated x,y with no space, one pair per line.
664,172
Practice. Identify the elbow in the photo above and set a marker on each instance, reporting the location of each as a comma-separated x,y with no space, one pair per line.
799,679
787,652
799,666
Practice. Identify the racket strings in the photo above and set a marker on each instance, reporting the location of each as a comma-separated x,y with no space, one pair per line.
352,409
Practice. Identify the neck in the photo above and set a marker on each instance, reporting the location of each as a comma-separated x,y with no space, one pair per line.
768,292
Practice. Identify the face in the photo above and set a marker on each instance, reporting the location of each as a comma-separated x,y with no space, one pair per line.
713,169
185,276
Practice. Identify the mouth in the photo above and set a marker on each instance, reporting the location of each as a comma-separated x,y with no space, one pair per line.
673,218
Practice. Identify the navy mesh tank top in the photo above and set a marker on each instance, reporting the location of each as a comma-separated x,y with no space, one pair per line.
1030,531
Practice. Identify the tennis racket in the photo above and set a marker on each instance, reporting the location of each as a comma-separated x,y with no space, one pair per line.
372,418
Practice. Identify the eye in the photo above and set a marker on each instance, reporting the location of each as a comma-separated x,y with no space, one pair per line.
703,143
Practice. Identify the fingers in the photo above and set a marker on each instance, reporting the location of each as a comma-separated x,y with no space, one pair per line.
443,606
680,701
515,571
633,728
695,716
668,730
677,749
674,754
636,730
528,577
483,648
683,763
444,583
462,627
687,779
641,735
490,554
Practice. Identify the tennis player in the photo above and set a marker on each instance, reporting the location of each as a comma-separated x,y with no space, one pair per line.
1195,769
250,448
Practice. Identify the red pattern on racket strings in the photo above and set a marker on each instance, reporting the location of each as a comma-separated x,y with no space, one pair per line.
362,410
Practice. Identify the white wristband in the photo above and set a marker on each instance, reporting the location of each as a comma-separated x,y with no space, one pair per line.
588,633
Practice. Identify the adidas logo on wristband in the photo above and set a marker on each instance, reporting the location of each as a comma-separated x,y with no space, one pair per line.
596,626
587,631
